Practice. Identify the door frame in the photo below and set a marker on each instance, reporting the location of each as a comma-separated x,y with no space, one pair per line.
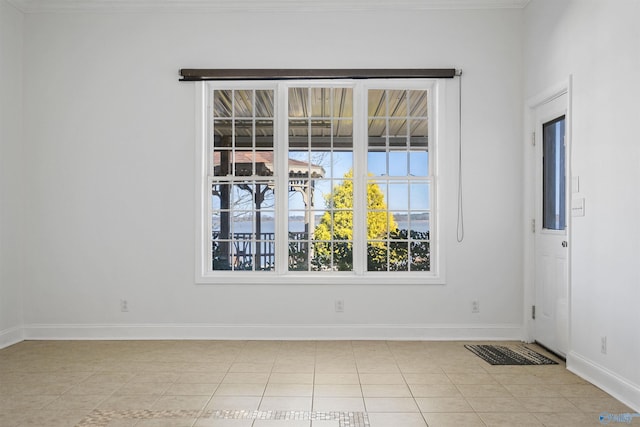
529,207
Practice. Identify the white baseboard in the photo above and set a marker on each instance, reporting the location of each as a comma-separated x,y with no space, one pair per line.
11,336
618,387
273,332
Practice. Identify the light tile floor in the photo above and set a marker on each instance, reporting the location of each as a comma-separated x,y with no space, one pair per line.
284,384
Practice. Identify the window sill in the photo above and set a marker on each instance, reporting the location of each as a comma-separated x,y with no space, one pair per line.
260,278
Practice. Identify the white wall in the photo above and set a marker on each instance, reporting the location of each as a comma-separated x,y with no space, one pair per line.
598,43
111,204
11,197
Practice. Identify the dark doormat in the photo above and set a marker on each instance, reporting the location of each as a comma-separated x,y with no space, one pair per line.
515,355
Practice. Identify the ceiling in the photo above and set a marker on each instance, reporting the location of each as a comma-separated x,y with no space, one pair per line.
42,6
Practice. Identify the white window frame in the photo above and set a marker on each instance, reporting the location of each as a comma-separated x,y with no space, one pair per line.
439,127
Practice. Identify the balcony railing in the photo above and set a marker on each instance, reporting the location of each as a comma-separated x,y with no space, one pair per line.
405,251
242,251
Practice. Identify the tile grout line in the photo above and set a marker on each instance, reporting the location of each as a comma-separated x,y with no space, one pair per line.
409,388
313,378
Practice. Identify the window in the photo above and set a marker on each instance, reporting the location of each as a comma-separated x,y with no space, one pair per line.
241,180
553,175
306,180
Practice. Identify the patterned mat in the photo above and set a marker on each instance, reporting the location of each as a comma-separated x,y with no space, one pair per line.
513,355
105,418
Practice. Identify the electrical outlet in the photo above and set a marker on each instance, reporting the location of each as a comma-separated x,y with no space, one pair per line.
475,306
124,305
339,306
603,345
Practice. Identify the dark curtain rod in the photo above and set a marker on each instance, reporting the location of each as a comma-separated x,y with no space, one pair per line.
196,74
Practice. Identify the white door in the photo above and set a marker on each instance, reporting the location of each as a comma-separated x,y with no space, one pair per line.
551,321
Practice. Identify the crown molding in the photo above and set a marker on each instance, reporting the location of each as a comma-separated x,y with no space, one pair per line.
47,6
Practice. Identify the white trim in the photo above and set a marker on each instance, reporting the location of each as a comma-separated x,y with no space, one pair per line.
440,119
549,94
44,6
438,332
201,107
11,336
281,133
617,386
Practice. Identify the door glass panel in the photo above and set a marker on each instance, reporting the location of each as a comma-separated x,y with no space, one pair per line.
553,175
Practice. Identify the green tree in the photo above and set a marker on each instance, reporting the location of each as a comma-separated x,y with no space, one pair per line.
337,224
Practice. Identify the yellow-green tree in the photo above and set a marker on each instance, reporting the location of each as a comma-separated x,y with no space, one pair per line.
337,225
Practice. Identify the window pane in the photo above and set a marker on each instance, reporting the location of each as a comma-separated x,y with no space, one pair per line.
222,101
377,195
223,129
321,192
377,103
320,102
398,256
377,163
298,133
377,133
244,163
220,196
418,102
399,224
554,210
398,196
418,163
342,256
398,132
298,254
215,224
264,103
298,102
343,102
342,134
418,134
242,195
265,254
341,164
264,163
241,254
419,196
243,105
398,163
321,133
298,222
397,100
264,134
379,221
377,256
417,225
243,133
266,220
221,259
420,257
